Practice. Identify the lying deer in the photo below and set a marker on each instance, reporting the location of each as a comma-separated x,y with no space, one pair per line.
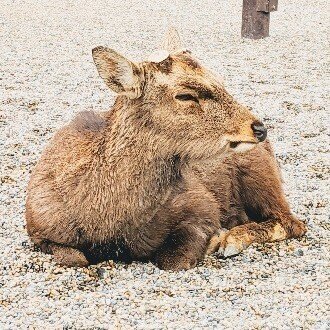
161,175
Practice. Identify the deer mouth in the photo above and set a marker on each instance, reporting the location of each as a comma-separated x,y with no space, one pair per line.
235,144
242,145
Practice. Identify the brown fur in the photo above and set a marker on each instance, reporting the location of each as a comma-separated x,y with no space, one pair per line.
157,177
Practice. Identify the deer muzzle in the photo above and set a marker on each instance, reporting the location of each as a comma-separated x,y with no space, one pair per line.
259,130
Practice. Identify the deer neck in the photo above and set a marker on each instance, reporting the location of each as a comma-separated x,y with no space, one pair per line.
140,166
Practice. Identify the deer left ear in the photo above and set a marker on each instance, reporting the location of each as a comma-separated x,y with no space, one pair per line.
120,75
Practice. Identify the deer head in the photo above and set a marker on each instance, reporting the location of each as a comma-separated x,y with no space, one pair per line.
180,101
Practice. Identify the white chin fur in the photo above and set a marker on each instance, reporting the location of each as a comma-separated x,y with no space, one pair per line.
243,147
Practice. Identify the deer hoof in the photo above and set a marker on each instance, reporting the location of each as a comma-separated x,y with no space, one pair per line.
231,246
231,250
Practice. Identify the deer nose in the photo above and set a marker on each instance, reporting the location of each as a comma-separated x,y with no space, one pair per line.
259,130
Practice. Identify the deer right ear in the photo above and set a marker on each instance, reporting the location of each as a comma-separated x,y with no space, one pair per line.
172,42
121,75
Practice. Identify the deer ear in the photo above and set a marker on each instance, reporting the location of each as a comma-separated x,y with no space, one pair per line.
172,42
121,75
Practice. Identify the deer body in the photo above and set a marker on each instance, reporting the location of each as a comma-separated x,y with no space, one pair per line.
157,176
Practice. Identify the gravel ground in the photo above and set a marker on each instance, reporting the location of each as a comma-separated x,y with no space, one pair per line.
47,75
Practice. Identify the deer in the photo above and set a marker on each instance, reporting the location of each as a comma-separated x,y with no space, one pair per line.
177,169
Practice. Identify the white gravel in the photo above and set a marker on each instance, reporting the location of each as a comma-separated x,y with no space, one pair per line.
47,75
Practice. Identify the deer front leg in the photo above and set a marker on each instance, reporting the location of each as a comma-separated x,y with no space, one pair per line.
264,202
196,217
239,238
184,247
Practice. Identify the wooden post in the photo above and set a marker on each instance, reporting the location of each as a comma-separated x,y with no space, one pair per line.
255,18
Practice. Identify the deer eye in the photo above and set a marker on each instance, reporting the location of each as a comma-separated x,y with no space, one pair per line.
186,97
